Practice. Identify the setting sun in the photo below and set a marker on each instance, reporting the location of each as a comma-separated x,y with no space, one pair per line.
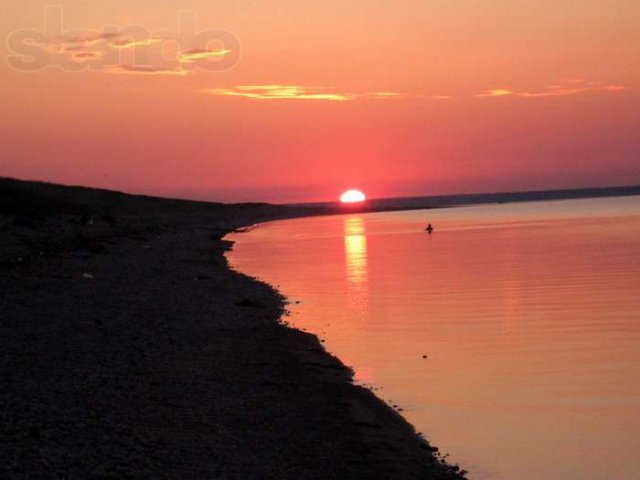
352,196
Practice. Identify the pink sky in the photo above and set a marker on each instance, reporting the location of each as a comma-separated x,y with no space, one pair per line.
298,101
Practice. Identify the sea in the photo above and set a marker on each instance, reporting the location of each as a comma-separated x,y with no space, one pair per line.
509,336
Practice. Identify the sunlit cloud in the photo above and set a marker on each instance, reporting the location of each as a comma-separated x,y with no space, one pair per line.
559,90
279,92
386,95
284,92
131,43
89,39
86,47
496,92
104,40
570,87
194,54
90,55
145,70
440,97
58,47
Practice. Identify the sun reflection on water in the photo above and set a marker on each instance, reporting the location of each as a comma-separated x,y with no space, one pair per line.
355,246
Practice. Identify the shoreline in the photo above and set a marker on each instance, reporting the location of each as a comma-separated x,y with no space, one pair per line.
379,421
133,350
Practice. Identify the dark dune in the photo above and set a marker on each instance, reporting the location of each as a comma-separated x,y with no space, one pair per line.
129,349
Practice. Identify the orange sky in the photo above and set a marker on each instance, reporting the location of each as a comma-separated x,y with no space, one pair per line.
300,100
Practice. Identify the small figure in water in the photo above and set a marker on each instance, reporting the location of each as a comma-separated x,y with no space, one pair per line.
429,228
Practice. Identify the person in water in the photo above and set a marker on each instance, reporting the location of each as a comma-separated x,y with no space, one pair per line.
429,228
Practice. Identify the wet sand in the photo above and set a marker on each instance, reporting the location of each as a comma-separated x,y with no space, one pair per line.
129,349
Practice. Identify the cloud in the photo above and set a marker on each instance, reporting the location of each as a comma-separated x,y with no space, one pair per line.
88,55
496,92
61,45
560,90
286,92
273,92
93,38
102,45
145,70
85,40
189,56
576,80
570,87
117,40
132,43
385,95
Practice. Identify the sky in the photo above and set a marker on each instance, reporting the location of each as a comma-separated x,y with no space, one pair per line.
296,101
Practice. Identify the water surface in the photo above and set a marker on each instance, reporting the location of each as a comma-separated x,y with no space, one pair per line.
527,314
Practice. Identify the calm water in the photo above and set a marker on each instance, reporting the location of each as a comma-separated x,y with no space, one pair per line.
529,315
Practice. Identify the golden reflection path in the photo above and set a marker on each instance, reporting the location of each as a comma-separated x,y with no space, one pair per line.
355,247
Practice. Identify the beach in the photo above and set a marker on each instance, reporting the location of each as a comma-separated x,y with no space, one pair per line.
130,349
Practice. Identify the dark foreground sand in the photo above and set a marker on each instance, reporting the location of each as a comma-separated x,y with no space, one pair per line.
129,349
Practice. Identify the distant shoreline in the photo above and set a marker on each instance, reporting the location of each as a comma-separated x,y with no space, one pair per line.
444,201
75,193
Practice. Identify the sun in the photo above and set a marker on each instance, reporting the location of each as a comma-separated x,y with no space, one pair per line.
352,196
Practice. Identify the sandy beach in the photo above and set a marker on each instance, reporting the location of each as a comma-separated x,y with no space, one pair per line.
129,349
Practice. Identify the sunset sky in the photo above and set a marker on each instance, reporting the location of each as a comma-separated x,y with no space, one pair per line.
292,101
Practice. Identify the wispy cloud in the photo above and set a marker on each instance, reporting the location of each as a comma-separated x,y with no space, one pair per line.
132,43
194,54
569,87
89,39
559,90
87,55
103,40
297,92
109,46
145,70
112,39
63,44
385,95
279,92
496,92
